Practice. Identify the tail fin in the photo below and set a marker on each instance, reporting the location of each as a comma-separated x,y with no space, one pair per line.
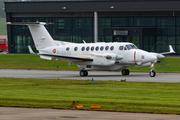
41,36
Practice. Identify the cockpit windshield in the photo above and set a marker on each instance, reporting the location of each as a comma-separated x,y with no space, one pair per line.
131,46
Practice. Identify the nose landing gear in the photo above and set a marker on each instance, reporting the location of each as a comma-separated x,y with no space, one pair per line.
152,73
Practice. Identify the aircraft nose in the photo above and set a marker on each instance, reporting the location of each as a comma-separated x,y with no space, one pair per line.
152,58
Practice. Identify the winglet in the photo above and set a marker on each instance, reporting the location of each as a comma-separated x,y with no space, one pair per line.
30,50
171,51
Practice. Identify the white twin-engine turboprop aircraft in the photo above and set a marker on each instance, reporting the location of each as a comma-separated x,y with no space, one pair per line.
92,56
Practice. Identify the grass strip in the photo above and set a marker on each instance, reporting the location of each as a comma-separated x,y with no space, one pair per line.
139,97
34,62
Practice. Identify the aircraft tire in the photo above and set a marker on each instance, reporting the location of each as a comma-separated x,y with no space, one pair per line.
86,73
125,72
83,73
152,73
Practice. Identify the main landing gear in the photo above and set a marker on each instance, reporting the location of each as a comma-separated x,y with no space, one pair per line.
125,72
83,73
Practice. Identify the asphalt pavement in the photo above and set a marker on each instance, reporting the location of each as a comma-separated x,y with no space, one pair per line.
7,113
96,75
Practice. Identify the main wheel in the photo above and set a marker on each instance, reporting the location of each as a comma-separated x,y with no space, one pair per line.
125,72
86,73
83,73
152,73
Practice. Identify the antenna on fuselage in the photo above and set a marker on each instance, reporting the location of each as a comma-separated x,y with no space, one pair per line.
84,41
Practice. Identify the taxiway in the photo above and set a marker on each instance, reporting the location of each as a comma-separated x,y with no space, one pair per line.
96,75
7,113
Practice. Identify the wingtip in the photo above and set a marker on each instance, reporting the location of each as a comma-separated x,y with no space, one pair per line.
171,49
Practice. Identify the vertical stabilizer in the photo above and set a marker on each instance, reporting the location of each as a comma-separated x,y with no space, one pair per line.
41,36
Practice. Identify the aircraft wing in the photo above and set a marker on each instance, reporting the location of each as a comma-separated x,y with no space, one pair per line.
68,58
170,51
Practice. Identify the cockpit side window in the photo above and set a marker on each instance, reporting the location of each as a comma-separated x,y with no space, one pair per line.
121,48
131,46
125,48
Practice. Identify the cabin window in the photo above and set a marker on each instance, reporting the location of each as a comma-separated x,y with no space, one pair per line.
87,49
67,49
107,48
83,48
101,48
97,48
112,48
121,48
92,48
76,48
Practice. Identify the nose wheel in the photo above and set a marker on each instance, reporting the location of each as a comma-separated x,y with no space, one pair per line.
152,73
83,73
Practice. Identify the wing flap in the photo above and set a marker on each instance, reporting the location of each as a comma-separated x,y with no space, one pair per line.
69,58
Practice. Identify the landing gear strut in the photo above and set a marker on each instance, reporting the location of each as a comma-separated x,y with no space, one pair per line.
83,73
125,72
152,73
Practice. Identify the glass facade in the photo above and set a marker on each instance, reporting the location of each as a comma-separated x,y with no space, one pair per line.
159,32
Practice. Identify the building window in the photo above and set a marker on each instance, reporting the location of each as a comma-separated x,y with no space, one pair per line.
120,22
144,21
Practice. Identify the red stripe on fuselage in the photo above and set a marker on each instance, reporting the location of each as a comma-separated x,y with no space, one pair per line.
135,58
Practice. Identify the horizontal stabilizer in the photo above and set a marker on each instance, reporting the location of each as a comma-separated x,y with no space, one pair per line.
45,57
30,50
27,23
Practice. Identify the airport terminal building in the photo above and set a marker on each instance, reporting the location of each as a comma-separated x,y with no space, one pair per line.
150,24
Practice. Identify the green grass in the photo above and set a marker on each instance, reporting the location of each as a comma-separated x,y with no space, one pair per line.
3,30
112,95
34,62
